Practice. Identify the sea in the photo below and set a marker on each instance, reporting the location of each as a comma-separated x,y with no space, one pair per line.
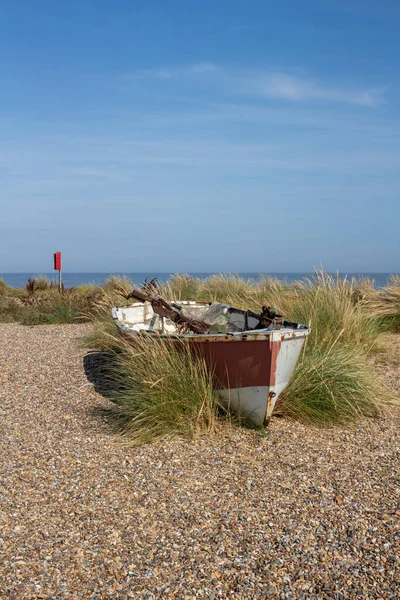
75,279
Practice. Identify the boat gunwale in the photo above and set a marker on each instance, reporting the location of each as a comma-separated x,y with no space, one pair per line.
278,334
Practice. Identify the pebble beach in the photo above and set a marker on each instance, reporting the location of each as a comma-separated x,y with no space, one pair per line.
297,512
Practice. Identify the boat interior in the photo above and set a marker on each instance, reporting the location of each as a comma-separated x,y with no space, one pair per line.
221,318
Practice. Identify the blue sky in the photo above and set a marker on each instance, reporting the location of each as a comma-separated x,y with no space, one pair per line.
212,135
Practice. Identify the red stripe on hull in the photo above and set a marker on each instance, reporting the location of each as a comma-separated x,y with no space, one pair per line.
241,363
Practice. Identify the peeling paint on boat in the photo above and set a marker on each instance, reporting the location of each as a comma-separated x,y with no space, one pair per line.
250,368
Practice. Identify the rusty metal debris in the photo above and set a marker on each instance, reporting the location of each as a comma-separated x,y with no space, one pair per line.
215,319
173,312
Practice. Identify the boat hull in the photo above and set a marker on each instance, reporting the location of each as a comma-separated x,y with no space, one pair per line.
250,368
250,372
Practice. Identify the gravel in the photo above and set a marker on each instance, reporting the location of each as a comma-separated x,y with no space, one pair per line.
294,513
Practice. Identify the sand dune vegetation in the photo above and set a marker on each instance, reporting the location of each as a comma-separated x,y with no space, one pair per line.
334,382
157,392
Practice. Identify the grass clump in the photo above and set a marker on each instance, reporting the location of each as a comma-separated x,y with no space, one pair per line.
158,391
218,288
44,283
10,309
334,386
326,303
333,383
331,307
40,302
3,287
52,313
64,312
118,284
387,305
33,316
182,287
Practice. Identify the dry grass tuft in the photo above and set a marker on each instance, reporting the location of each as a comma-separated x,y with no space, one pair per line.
3,287
157,391
386,304
117,284
334,385
181,287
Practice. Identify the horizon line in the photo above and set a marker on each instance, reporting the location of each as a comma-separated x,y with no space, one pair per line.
190,272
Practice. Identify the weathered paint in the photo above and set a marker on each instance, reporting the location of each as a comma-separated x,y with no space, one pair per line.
257,402
248,402
240,364
250,368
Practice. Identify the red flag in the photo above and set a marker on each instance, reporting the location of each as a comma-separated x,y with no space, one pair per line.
57,261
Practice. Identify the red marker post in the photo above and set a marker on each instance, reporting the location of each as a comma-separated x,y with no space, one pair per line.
57,267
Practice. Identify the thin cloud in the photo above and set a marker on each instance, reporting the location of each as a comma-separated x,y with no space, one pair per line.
204,68
277,85
173,72
299,89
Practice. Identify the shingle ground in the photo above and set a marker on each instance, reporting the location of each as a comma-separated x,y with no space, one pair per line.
297,513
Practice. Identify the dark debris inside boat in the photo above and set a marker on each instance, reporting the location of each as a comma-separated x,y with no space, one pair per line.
212,318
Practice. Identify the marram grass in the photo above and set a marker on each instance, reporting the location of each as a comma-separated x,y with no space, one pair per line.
42,303
386,304
158,391
334,385
3,287
182,287
329,304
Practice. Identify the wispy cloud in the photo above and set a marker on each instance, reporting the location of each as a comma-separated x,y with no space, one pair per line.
173,72
276,85
299,89
204,68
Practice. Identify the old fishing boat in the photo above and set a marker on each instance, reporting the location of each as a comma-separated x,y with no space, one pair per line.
252,356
